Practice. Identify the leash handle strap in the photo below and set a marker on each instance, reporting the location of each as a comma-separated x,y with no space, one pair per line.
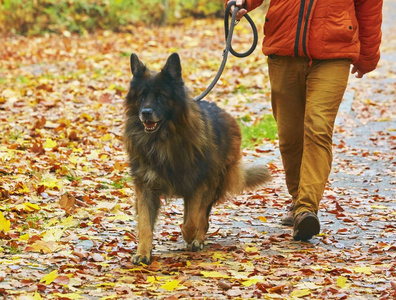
229,30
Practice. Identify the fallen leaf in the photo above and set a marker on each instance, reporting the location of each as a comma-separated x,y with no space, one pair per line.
214,274
4,223
170,285
300,293
263,219
341,282
49,278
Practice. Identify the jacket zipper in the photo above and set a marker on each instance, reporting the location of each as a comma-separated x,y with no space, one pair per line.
299,23
304,40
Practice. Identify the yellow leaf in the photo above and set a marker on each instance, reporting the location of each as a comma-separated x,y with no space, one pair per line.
251,249
4,223
115,208
218,255
120,218
112,86
50,182
86,117
365,270
49,278
341,281
152,279
53,234
73,160
379,206
24,237
68,222
30,206
264,219
24,189
37,296
109,297
104,284
214,274
300,293
251,281
106,137
49,143
42,246
170,285
71,296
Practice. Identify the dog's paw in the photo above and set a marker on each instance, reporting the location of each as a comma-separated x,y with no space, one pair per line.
137,259
195,246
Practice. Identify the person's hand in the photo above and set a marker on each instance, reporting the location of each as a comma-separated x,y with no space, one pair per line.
242,11
359,73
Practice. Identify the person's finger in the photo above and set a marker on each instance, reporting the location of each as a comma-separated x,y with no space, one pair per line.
241,13
359,74
239,3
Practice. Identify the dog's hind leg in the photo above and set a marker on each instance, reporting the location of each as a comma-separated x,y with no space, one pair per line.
147,207
196,219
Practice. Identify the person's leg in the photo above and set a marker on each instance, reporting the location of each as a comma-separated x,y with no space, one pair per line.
287,78
326,83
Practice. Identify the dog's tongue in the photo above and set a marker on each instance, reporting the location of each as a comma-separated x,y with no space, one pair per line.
150,125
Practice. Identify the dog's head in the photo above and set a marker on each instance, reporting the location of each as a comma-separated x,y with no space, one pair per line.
155,98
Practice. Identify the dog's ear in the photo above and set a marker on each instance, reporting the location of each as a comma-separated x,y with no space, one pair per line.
173,68
137,67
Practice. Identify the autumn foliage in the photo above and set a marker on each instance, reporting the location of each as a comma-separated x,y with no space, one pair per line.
67,220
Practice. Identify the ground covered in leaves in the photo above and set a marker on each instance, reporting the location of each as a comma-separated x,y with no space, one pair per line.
67,223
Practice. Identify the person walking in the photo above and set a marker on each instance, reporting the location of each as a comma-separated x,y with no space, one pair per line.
311,45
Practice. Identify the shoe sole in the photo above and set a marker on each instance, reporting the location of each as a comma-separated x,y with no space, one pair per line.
287,221
308,227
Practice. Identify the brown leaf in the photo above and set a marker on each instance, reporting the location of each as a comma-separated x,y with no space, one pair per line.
223,285
67,203
37,148
97,257
62,279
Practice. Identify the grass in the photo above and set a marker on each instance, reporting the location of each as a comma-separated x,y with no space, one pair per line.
30,17
256,133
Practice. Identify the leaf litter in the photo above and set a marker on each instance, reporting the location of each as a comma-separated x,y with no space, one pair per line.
67,222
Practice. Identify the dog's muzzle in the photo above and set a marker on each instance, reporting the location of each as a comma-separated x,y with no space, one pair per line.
149,119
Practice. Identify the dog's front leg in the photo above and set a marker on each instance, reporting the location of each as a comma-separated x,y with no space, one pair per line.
196,219
147,207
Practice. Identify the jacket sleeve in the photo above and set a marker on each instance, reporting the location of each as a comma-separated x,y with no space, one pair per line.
252,4
369,16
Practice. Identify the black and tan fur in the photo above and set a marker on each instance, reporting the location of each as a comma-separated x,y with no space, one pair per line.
180,148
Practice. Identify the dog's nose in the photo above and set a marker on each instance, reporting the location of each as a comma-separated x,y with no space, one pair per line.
147,112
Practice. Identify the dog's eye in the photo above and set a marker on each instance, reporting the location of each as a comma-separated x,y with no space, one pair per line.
162,96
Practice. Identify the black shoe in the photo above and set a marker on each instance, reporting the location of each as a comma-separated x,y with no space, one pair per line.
306,225
288,219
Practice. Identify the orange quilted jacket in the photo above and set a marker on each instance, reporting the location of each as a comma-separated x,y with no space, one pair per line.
324,29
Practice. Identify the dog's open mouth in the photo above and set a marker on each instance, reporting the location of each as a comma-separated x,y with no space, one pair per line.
150,126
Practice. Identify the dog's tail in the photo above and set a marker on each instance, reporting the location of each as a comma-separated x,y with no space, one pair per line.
255,176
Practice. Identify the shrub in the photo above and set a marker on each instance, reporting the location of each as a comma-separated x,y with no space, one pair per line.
32,17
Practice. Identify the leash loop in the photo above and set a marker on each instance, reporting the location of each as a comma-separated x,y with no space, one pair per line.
229,30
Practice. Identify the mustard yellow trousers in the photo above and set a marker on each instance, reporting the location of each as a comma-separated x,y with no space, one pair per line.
305,98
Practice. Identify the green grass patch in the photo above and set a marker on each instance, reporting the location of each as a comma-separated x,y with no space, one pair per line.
119,183
255,134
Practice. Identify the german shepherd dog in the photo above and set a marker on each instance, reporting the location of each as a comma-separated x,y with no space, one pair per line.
178,147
